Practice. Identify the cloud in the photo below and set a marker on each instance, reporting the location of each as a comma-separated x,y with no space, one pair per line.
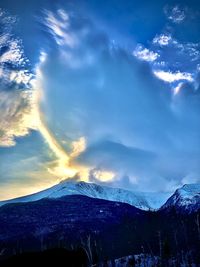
176,14
20,95
11,51
105,99
113,159
16,98
17,115
162,39
145,54
13,54
170,77
175,54
21,77
190,49
58,24
177,59
104,113
128,167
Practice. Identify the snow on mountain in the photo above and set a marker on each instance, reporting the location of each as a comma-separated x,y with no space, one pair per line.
156,199
141,200
185,198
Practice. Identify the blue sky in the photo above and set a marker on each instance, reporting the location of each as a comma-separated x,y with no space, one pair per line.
104,93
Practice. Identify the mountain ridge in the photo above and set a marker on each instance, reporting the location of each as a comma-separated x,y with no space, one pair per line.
186,197
141,200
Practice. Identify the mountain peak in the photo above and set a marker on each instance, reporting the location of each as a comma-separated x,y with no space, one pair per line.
191,187
185,198
141,200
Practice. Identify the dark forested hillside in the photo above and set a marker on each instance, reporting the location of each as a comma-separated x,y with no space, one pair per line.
103,229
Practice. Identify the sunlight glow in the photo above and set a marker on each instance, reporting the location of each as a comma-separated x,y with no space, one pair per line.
103,176
78,147
61,166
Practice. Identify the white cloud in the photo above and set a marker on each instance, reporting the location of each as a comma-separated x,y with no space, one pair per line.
12,59
21,77
4,38
171,77
14,54
176,14
17,106
177,61
59,25
162,39
145,54
17,115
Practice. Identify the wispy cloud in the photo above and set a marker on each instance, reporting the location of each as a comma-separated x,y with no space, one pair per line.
176,13
59,24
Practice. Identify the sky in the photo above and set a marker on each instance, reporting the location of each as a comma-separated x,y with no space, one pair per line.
101,93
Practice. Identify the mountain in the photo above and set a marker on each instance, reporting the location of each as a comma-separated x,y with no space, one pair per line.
43,216
65,221
141,200
104,229
74,215
186,198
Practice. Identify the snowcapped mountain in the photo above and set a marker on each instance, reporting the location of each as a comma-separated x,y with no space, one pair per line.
186,198
141,200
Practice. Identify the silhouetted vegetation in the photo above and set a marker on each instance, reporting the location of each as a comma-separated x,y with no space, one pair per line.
53,257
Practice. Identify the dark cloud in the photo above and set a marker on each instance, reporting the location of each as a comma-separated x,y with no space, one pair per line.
116,156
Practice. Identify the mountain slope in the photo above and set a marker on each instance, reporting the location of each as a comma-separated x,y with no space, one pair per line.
109,229
140,200
65,220
186,198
